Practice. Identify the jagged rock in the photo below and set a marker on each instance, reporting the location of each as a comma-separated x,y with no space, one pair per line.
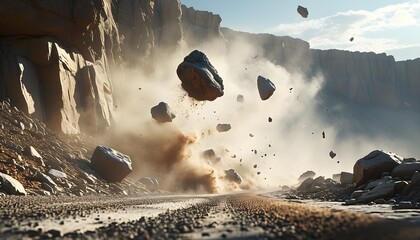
303,11
319,181
240,98
406,170
223,127
306,184
112,165
265,87
211,156
373,165
305,175
41,177
11,185
199,78
162,113
150,183
383,190
56,173
47,187
34,154
332,154
233,176
356,194
346,178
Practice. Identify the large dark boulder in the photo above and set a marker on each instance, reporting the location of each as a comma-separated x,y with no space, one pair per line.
406,170
303,11
112,165
373,165
199,78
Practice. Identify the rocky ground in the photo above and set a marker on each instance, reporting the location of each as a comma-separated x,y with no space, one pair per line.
210,217
47,163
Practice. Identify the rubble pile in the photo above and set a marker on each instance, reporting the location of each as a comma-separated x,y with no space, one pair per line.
378,178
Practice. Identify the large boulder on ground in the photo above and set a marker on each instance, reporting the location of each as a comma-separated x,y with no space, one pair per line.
150,183
162,113
199,78
406,170
224,127
266,88
11,185
303,11
383,190
373,165
233,176
346,178
306,184
112,165
305,175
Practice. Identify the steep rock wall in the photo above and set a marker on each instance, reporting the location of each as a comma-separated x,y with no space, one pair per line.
56,56
408,73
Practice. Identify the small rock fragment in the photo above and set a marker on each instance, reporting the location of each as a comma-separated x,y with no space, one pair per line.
233,176
240,98
270,119
351,39
332,154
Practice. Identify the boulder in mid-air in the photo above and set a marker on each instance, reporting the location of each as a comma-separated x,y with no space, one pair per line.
162,113
265,87
112,165
233,176
199,78
223,127
303,11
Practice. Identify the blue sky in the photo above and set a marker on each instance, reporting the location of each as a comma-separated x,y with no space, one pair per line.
388,26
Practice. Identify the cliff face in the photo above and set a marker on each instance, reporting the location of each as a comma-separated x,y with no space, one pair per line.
56,55
362,77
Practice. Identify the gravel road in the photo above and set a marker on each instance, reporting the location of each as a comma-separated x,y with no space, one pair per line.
244,216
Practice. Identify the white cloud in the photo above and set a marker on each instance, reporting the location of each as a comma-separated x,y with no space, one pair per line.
380,30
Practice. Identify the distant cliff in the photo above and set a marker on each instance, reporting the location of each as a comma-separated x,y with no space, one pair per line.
362,77
56,56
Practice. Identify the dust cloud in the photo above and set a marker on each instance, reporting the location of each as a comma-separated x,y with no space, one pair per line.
282,148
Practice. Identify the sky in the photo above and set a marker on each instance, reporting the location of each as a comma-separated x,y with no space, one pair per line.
388,26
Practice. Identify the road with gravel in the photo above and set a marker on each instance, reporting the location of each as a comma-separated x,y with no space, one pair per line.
231,216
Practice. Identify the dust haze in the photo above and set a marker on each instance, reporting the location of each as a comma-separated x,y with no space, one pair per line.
281,150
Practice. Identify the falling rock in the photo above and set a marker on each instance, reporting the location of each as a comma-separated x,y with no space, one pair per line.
381,191
211,156
265,87
11,185
303,11
332,154
223,127
373,165
406,170
233,176
346,178
270,119
199,78
150,183
351,39
112,165
240,98
162,113
305,175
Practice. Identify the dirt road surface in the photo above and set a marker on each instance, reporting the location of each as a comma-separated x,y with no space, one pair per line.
235,216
